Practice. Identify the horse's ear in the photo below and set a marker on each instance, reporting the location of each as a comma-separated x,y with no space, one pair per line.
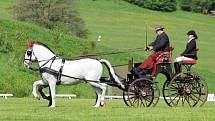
30,43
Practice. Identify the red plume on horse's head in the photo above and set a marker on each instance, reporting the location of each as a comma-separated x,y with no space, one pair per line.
30,43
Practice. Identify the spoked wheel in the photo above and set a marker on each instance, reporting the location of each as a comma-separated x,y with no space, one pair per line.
201,88
143,93
125,97
165,93
125,94
188,90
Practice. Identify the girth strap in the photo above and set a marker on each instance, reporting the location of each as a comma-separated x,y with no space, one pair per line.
57,74
60,72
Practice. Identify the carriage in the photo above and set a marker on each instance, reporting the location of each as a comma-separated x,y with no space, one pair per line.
187,88
184,89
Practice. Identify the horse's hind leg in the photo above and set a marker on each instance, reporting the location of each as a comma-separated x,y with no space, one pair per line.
98,94
103,87
100,91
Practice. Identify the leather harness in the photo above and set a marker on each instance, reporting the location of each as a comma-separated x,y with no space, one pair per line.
57,74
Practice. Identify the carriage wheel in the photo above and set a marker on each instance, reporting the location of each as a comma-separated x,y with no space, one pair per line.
201,88
143,93
165,93
187,89
125,97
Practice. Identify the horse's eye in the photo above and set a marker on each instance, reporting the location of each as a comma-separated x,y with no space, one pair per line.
29,53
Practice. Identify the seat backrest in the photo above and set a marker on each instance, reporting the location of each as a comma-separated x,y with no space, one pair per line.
163,57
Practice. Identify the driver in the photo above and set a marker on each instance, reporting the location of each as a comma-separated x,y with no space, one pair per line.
160,44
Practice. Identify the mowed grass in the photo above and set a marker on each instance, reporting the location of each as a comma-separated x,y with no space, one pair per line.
29,109
121,25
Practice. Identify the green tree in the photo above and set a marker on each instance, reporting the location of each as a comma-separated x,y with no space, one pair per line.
52,14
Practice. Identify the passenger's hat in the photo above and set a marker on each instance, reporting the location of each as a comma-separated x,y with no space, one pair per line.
192,32
158,27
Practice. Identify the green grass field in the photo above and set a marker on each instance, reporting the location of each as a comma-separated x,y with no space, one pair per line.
121,25
29,109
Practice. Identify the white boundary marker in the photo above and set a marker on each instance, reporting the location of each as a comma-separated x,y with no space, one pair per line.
211,97
115,97
6,95
65,95
121,97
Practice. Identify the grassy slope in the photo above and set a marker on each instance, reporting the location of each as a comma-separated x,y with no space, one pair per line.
20,109
121,25
14,77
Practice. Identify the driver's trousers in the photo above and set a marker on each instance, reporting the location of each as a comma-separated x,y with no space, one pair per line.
150,61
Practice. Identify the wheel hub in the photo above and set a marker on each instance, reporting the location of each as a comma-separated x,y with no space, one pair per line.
185,91
143,93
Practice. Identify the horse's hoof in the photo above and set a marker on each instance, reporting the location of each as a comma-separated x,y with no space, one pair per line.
38,98
50,104
95,106
52,107
102,104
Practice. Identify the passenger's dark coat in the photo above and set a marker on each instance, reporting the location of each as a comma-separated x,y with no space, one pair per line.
190,50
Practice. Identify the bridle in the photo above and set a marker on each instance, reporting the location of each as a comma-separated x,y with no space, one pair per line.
30,53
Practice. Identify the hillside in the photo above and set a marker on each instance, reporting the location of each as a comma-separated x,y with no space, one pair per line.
121,25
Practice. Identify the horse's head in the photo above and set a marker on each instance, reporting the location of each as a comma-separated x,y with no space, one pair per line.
37,51
29,55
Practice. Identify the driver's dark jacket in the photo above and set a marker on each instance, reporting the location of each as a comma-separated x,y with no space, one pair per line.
161,43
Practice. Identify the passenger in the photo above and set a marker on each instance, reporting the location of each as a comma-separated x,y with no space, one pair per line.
160,44
190,51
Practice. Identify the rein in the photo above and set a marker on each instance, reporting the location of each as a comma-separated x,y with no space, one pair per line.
113,53
47,61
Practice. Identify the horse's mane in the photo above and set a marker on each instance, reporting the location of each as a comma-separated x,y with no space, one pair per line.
40,43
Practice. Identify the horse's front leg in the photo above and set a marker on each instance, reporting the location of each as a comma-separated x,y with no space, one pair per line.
35,85
40,90
52,86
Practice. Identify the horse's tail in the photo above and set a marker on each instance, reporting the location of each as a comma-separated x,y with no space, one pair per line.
111,71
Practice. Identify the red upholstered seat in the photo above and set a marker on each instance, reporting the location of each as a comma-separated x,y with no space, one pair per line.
192,62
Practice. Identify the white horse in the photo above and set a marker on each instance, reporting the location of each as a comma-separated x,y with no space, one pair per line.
54,70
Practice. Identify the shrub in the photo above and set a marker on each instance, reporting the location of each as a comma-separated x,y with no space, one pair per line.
52,13
199,6
186,5
159,5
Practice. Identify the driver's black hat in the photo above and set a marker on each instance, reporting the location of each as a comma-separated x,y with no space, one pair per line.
158,27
